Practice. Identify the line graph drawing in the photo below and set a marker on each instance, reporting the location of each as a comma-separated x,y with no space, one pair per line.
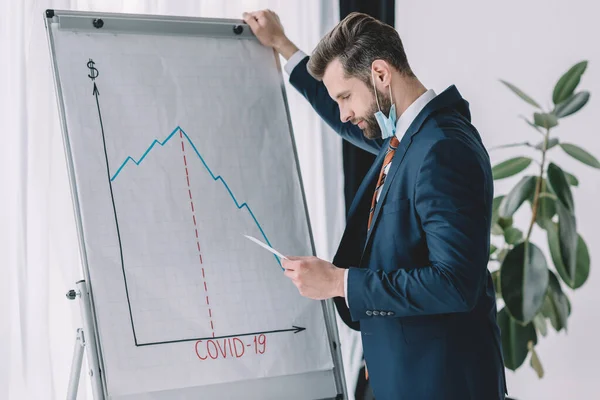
212,174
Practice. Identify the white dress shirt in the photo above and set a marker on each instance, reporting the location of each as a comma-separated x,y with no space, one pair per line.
402,124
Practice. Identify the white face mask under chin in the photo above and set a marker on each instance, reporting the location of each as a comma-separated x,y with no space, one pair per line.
386,124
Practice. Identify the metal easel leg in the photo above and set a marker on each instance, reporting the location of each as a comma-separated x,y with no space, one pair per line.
76,366
85,340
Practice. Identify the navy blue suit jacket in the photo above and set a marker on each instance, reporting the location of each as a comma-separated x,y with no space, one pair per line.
419,289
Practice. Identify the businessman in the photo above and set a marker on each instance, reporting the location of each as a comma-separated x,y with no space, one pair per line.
411,269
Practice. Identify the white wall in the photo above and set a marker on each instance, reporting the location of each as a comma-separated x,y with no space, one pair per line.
473,43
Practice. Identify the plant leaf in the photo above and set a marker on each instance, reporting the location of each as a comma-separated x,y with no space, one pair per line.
551,143
505,222
545,120
514,339
521,94
580,154
496,282
572,104
555,254
535,361
510,167
560,186
537,128
582,262
502,254
546,208
512,235
497,230
549,312
513,200
545,212
567,239
495,204
540,324
567,83
493,249
523,281
572,179
505,146
556,304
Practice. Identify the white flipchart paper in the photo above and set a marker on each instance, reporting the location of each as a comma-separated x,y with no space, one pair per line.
199,153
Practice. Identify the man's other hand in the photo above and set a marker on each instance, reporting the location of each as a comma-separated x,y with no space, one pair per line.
266,26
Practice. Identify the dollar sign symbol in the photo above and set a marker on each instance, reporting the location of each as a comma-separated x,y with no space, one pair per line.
93,71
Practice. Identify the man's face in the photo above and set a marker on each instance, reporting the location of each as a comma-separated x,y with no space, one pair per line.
355,99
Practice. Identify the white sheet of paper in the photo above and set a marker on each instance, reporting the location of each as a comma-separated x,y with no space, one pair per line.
267,247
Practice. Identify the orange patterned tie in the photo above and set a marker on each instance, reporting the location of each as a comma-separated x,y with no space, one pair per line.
391,150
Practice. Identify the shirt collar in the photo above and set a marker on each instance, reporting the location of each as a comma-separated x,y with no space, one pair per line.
409,115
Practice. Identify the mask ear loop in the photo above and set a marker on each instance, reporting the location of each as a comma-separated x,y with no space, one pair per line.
375,90
391,99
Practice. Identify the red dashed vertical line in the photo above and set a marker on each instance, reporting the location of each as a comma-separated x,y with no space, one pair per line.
187,177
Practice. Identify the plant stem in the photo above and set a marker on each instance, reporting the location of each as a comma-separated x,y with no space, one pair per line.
538,186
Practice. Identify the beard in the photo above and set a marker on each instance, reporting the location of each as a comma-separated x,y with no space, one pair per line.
371,129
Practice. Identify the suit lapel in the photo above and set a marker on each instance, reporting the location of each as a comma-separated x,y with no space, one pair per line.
371,175
396,161
350,248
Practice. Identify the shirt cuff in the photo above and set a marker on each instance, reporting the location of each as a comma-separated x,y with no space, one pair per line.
346,288
294,61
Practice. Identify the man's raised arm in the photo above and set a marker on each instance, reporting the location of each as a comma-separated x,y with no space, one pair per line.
267,27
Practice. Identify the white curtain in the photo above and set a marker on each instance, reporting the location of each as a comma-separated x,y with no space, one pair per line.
38,241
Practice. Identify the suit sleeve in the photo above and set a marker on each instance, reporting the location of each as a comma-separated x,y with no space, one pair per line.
316,94
451,204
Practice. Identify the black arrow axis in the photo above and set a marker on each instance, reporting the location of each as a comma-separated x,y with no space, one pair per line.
294,329
96,93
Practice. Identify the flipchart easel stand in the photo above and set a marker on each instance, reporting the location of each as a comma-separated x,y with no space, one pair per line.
87,337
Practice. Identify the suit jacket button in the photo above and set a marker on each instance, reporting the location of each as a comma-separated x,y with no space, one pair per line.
375,312
390,313
369,313
382,313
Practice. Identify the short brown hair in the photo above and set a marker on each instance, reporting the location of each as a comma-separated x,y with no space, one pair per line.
357,41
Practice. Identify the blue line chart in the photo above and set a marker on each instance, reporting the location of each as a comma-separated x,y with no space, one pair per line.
214,177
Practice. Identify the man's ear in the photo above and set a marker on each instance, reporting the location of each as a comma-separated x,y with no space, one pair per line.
382,73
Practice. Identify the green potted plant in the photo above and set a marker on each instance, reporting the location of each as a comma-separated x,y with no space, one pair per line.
530,284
